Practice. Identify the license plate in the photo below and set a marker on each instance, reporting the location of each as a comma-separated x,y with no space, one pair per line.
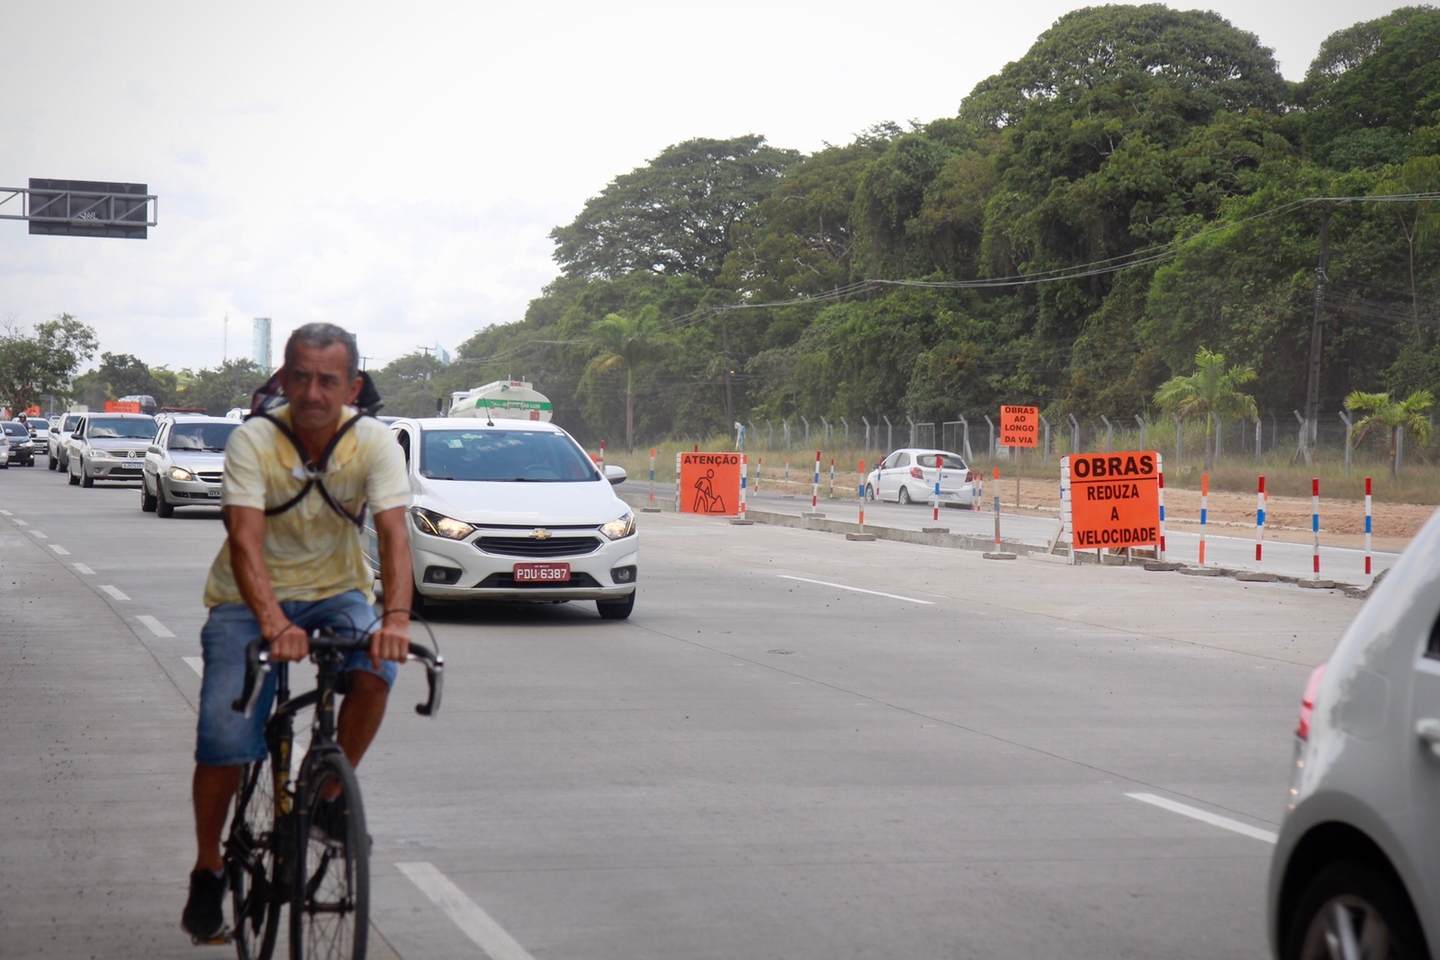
213,493
130,464
542,573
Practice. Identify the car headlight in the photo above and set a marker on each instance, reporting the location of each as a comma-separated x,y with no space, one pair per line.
439,525
180,473
97,454
620,527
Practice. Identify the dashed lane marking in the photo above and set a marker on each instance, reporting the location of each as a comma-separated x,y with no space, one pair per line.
156,627
78,566
841,586
478,925
197,664
20,523
114,591
1205,816
38,535
59,549
7,513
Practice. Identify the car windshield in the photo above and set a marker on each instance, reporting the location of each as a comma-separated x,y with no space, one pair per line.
209,437
118,428
17,430
515,456
952,461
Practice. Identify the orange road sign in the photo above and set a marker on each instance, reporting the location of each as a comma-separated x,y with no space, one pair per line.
1114,499
1019,426
710,484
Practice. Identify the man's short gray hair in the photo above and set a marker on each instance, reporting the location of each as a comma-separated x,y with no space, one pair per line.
322,335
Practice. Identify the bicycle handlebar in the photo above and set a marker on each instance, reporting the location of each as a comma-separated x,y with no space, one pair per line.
257,665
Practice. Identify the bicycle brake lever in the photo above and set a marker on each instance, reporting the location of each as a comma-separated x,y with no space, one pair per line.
257,668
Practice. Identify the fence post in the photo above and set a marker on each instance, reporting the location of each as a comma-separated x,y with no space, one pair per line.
1140,419
1345,419
846,424
1179,438
825,431
866,421
807,431
889,434
1046,424
1074,434
992,435
1109,433
965,450
1399,448
912,430
769,436
1259,439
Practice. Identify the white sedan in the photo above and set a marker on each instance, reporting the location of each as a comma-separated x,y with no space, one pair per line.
514,510
908,476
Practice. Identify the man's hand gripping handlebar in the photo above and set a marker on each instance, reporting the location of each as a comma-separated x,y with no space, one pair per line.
257,666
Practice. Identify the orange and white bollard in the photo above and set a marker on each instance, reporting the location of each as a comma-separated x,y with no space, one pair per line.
862,497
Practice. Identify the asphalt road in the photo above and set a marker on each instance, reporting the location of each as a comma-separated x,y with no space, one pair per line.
762,762
1341,564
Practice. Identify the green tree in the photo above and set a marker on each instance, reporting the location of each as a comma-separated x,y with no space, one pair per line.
33,365
127,375
410,385
1393,415
1419,223
220,389
1212,388
626,343
674,215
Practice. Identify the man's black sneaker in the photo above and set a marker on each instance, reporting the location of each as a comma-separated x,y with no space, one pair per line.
204,916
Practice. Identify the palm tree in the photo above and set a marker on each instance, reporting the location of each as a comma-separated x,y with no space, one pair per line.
626,343
1392,415
1210,389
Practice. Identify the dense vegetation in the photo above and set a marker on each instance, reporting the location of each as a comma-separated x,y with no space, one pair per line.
1124,131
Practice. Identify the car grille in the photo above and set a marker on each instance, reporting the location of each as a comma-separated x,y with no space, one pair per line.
531,547
506,581
122,472
210,477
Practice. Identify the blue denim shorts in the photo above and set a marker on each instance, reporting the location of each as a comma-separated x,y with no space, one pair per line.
227,737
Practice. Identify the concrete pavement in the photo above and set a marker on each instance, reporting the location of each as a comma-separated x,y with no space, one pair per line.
761,762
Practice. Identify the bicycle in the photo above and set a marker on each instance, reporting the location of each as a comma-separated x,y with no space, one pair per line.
277,853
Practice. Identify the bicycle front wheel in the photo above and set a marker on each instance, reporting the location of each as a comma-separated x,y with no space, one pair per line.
330,912
250,863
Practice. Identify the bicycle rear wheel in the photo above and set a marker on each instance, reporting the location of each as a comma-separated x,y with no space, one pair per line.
330,912
250,863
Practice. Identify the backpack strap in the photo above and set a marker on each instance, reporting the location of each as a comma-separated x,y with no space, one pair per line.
314,473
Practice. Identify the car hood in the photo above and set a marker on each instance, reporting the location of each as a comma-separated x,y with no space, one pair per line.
530,504
197,459
135,445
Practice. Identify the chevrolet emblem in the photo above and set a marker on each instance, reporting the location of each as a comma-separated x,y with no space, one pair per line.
540,533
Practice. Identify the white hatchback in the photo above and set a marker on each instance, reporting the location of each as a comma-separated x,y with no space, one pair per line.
908,476
514,510
1356,869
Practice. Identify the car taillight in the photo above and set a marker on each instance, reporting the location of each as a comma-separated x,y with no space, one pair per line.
916,473
1307,705
969,476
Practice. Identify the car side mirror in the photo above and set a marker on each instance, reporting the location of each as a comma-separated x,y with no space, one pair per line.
616,475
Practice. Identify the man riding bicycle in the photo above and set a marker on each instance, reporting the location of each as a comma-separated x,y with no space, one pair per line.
298,480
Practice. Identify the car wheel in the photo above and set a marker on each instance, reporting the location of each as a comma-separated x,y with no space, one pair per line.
1353,909
163,507
616,609
904,497
85,479
147,502
54,464
70,477
869,493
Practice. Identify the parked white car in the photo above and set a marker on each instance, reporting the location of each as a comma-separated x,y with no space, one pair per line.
908,476
1356,868
108,446
514,510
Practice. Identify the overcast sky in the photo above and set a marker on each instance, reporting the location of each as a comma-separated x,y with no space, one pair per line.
395,168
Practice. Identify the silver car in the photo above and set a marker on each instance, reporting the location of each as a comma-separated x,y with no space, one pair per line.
60,430
109,446
1356,869
184,466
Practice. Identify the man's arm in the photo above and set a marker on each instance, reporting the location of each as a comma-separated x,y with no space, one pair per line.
246,527
397,575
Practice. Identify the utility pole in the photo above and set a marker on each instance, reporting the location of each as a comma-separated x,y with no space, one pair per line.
725,369
225,342
1312,392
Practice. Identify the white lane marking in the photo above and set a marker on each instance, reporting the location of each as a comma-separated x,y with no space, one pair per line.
59,549
478,925
7,513
20,523
841,586
1214,819
197,664
113,591
38,535
78,566
156,627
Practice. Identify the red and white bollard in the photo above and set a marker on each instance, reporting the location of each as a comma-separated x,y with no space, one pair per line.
862,496
815,492
652,477
1367,526
939,465
744,481
1315,521
1160,550
602,458
1204,512
1259,521
832,478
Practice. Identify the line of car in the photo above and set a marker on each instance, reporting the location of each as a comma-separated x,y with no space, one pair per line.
502,509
